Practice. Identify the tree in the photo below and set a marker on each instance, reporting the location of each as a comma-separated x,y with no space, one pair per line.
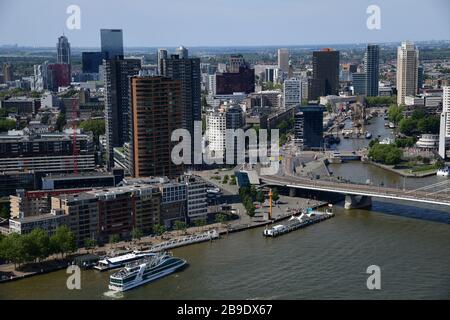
4,212
260,197
179,225
275,194
61,121
12,249
37,244
200,223
63,241
159,229
136,234
7,124
96,126
114,238
395,113
220,218
89,243
385,153
408,126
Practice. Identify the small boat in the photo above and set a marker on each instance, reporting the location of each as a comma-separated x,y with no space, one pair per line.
109,263
368,135
444,172
145,270
391,125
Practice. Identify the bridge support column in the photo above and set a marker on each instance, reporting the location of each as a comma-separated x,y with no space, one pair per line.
355,202
292,192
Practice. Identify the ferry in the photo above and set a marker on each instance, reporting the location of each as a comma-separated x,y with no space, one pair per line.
109,263
444,172
297,222
145,270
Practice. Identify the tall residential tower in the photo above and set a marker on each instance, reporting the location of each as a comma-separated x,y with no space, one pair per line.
407,65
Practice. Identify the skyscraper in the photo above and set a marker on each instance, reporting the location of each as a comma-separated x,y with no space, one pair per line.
117,73
444,133
186,70
111,42
91,61
372,69
292,92
182,52
156,111
283,60
162,54
407,65
325,80
63,50
7,72
308,130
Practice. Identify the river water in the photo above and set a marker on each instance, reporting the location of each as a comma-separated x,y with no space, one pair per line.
409,242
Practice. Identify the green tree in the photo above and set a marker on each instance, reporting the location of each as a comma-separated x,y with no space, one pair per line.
260,197
12,249
114,238
220,218
385,153
200,223
7,124
179,225
408,126
37,244
90,243
395,113
63,241
61,121
158,229
275,194
136,234
96,126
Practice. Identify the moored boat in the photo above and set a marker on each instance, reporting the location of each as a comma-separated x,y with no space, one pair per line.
109,263
145,270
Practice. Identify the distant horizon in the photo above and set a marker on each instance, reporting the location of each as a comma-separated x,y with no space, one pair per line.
215,23
21,46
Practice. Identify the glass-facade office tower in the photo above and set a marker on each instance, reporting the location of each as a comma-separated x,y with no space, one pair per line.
63,50
111,42
372,69
117,107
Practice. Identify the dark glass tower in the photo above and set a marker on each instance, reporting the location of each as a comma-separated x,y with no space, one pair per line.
325,74
372,69
117,106
63,50
112,43
186,70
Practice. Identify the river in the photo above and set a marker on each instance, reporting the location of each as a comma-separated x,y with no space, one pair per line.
409,242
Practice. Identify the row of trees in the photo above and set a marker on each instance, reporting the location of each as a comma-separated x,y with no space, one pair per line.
388,154
418,123
380,101
249,194
37,245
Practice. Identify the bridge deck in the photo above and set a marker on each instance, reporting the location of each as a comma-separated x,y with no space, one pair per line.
359,189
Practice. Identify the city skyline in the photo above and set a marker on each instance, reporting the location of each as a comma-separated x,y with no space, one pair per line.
206,24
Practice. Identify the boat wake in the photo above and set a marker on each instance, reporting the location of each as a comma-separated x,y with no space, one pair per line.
113,294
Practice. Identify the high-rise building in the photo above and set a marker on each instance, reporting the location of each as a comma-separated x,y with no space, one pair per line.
63,50
117,73
216,125
292,92
182,52
359,83
156,111
241,81
235,63
309,127
58,75
91,61
186,70
283,60
407,65
420,78
162,54
372,69
7,72
325,80
112,43
444,133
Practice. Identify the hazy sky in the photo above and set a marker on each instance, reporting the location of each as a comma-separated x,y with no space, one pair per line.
223,22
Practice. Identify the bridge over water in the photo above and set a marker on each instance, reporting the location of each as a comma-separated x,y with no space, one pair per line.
360,195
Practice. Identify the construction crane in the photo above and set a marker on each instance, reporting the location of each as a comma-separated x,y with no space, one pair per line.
270,203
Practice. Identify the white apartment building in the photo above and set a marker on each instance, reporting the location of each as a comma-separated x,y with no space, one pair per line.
407,65
444,133
216,125
292,92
